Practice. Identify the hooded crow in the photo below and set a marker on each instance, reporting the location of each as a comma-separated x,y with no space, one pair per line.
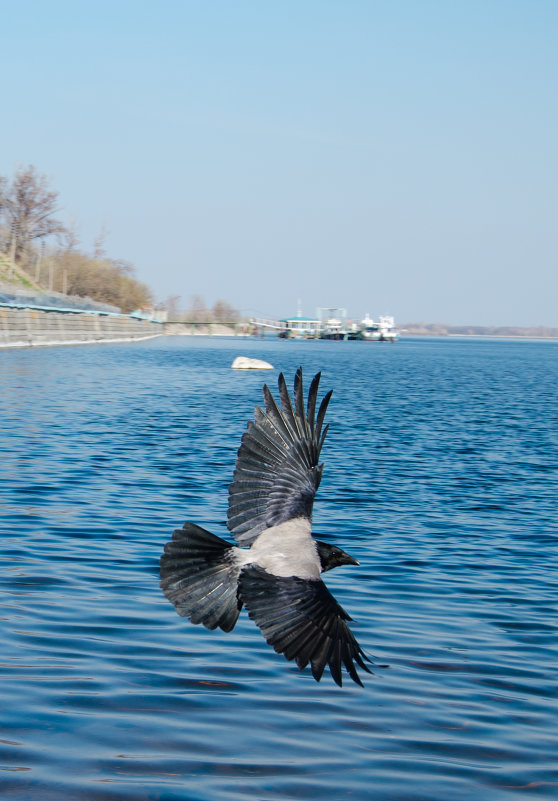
276,570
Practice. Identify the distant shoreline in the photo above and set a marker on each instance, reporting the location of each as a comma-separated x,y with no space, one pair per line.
500,332
410,334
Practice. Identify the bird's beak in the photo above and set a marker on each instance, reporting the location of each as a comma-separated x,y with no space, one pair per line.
347,559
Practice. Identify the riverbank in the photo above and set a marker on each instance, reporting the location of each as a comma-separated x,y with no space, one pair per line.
33,327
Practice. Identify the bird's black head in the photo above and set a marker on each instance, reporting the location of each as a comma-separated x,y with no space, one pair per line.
330,556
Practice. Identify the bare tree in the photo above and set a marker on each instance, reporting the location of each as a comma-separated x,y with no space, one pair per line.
3,189
223,312
30,206
171,304
71,241
70,236
99,251
197,311
4,230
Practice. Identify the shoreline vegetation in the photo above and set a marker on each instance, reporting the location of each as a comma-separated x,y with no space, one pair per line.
39,256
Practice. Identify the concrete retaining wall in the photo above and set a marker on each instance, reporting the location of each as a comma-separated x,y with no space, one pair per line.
21,327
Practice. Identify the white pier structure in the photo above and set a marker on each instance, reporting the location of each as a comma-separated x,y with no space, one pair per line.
268,322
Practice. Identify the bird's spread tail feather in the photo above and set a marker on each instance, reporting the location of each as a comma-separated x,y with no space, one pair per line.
200,577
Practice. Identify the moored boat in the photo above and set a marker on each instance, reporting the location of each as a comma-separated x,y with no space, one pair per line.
382,331
333,329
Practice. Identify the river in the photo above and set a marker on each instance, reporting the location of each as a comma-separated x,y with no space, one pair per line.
440,478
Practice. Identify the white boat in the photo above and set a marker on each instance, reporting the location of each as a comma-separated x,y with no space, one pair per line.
382,331
333,329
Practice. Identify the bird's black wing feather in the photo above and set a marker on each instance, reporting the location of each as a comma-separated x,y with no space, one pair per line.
302,620
277,469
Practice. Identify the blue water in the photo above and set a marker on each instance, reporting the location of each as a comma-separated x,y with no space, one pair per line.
440,477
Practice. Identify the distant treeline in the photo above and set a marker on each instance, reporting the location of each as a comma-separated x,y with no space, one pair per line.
198,312
32,237
441,329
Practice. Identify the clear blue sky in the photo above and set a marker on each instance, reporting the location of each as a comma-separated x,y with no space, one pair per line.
389,156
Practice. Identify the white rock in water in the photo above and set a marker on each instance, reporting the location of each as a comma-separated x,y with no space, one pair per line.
244,363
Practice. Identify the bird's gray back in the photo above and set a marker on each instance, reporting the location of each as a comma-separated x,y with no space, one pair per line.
284,550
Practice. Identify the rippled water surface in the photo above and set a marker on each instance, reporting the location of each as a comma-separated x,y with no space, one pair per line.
440,478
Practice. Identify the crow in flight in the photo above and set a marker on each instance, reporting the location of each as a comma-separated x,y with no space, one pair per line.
276,570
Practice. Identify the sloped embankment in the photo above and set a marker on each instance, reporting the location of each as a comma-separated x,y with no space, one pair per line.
22,326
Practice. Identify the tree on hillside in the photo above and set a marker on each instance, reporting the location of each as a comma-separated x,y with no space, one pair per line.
70,242
29,208
104,280
4,231
99,251
3,187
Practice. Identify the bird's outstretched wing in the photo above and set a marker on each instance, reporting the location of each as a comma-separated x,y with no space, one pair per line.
277,472
301,619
